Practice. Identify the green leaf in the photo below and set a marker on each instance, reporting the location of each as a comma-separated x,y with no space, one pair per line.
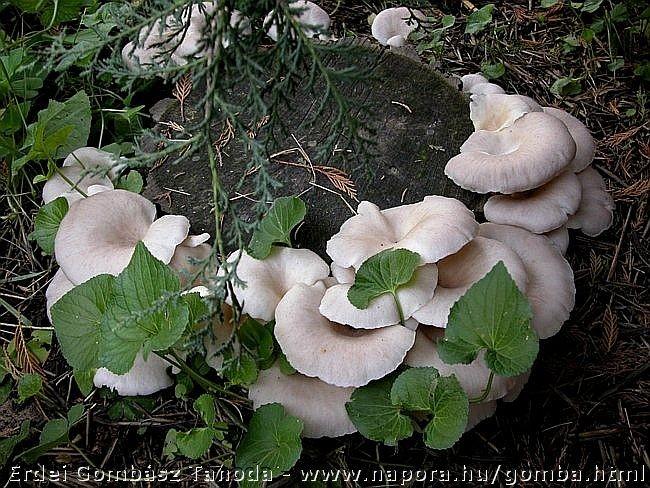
61,128
414,389
590,6
241,369
643,71
272,441
372,412
84,379
53,12
29,385
8,444
615,65
493,315
20,74
77,318
5,390
493,71
146,312
11,117
285,214
285,365
46,223
619,13
382,273
479,20
204,406
55,432
258,339
194,443
566,87
548,3
450,412
132,182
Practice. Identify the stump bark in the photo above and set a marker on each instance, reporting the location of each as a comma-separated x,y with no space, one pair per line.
414,117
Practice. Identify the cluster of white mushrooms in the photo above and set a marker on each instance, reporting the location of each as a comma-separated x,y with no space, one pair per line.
98,235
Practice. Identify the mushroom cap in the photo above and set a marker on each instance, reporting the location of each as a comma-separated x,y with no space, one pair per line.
337,354
596,211
458,272
486,89
551,291
88,157
144,378
585,144
59,286
214,342
188,254
540,210
559,238
478,412
57,186
391,27
268,280
473,377
496,111
99,234
434,228
471,80
531,152
519,383
341,274
319,405
382,311
313,19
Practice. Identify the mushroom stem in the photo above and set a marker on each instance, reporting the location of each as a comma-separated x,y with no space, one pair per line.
399,309
486,392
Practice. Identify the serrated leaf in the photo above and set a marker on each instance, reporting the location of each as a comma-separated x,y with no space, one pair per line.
492,315
84,380
372,412
414,389
46,223
450,412
276,226
272,441
194,443
479,19
382,273
29,385
77,318
8,444
204,406
131,182
140,317
241,369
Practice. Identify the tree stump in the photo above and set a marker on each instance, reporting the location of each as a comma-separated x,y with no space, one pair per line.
415,118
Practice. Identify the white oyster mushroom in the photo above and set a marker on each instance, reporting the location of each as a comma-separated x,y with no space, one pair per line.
585,144
596,211
99,234
144,378
540,210
434,228
550,291
497,111
532,151
478,84
319,405
458,272
559,238
335,353
59,286
267,280
341,274
188,256
391,27
313,20
382,311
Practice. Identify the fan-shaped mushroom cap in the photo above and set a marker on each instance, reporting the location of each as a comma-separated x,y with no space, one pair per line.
434,228
341,274
319,405
478,412
471,80
496,111
267,280
144,378
337,354
213,343
478,84
550,290
532,151
585,145
391,27
72,183
473,377
559,238
59,286
313,20
596,211
382,311
89,157
458,272
99,234
486,89
540,210
188,254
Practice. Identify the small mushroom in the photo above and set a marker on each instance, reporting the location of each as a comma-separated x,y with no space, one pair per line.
267,280
458,272
319,405
585,145
550,290
559,238
313,20
596,211
540,210
531,152
99,234
497,111
478,84
391,27
59,286
144,378
434,228
188,256
335,353
382,311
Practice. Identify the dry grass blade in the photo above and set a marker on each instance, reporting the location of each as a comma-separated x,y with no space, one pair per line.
182,90
610,330
339,179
